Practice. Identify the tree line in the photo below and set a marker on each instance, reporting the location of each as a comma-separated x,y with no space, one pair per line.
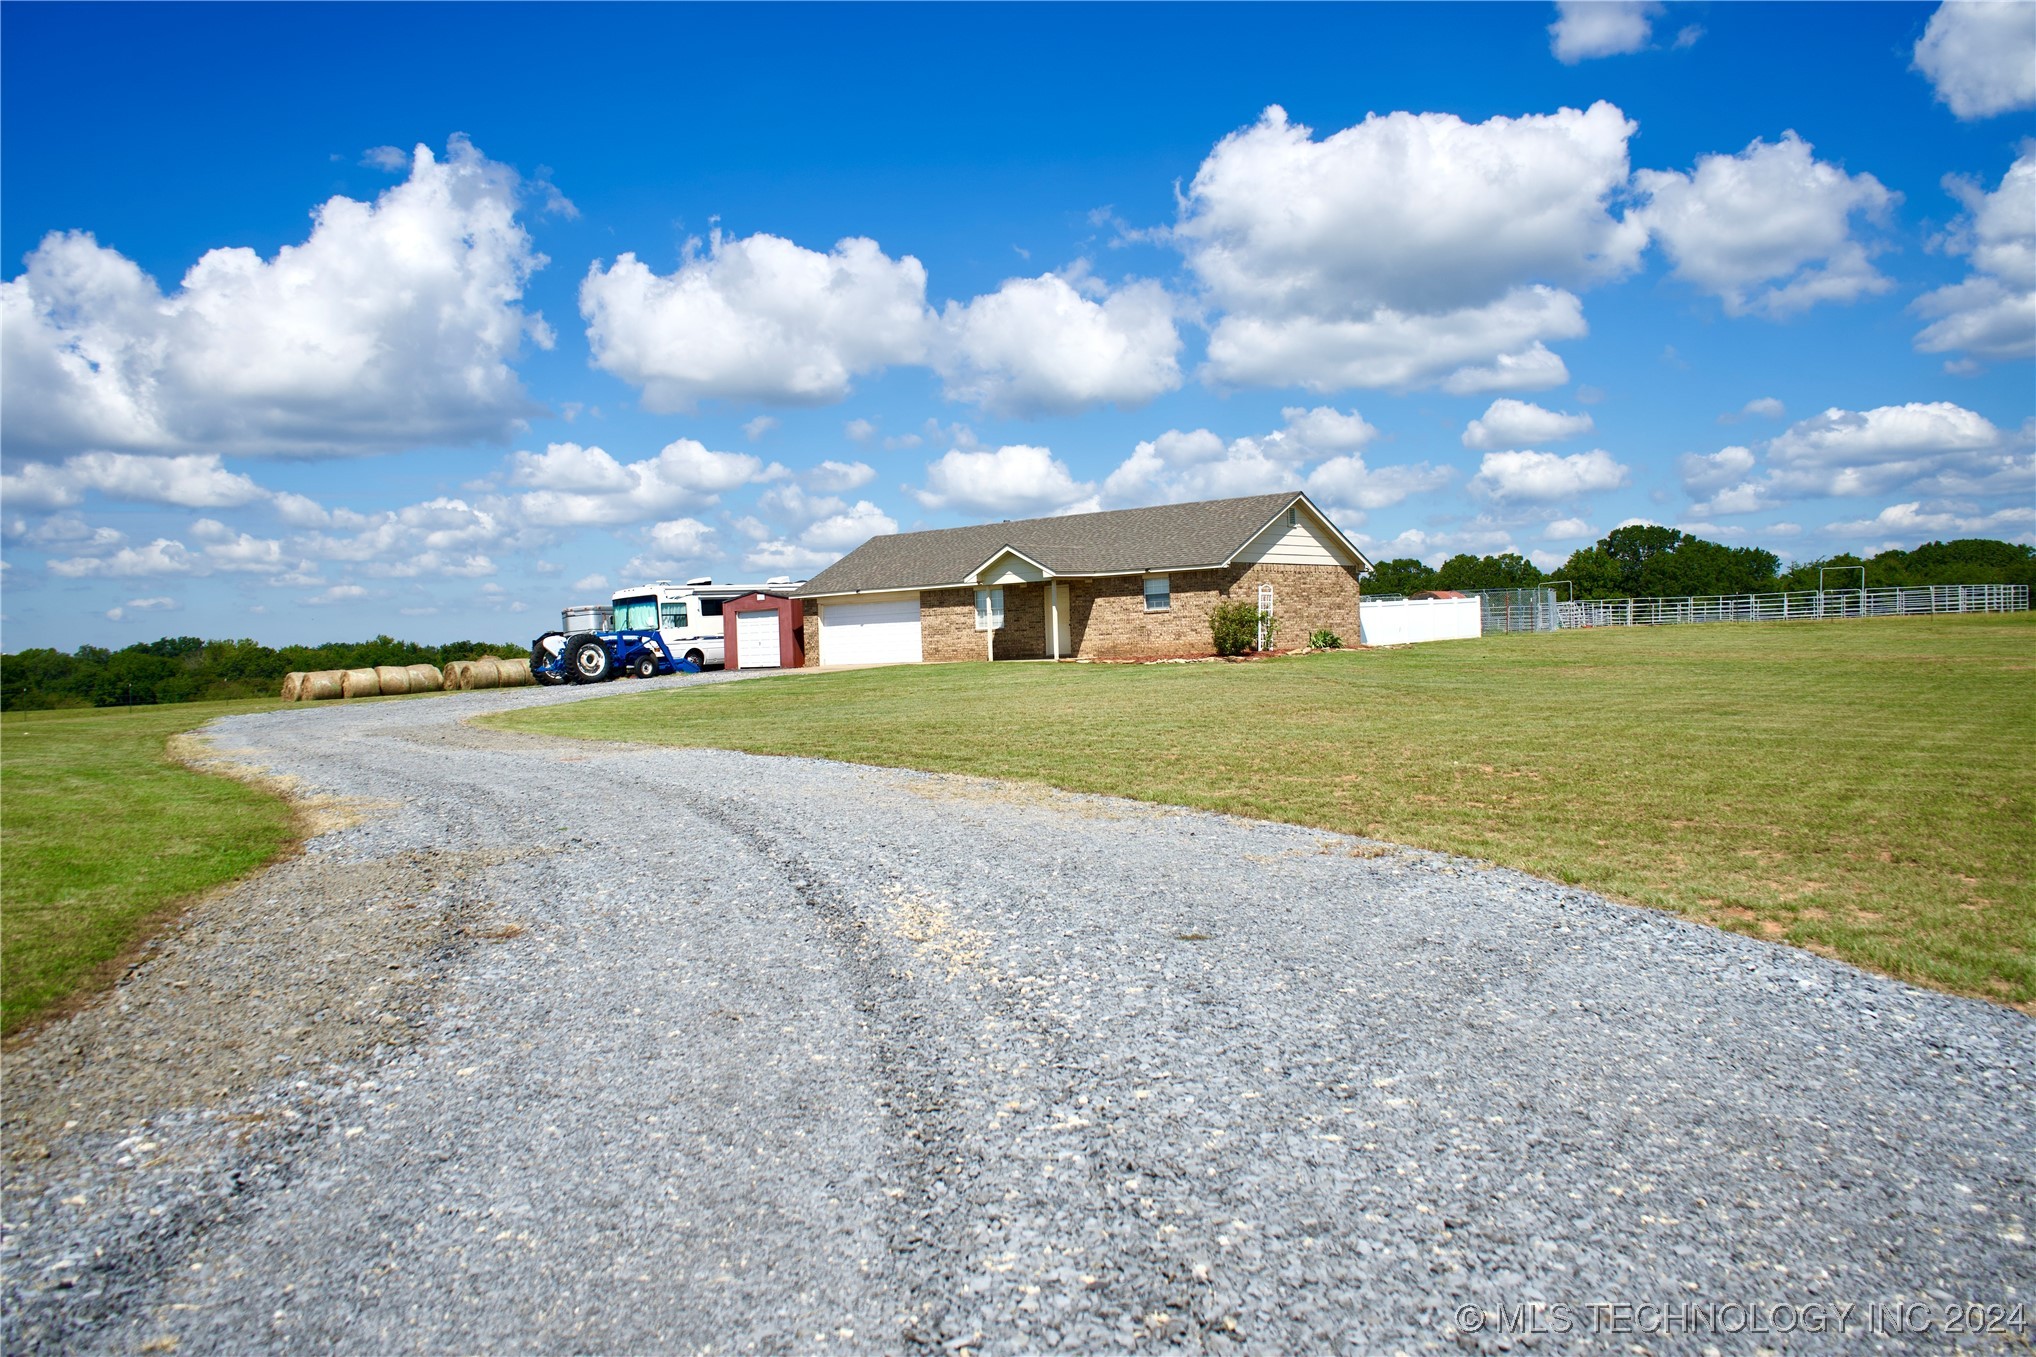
1644,561
188,669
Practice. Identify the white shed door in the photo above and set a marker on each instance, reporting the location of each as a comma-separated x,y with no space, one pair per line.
756,640
870,633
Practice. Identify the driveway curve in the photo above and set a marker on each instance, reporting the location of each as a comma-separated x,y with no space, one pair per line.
547,1046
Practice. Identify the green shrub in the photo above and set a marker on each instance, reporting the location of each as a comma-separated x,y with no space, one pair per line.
1324,639
1234,627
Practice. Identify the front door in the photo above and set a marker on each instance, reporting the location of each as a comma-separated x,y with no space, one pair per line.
1057,615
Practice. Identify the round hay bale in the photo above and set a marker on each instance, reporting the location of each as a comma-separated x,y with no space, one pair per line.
516,673
394,678
425,678
455,675
293,684
360,683
322,686
484,673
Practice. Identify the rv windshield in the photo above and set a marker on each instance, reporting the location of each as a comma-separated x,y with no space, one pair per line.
636,614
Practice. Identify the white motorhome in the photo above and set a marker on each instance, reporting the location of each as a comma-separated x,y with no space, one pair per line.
686,617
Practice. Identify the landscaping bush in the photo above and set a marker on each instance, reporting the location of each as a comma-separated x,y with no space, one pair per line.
1324,639
1234,628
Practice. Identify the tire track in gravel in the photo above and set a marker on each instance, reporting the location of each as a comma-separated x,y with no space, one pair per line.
916,1094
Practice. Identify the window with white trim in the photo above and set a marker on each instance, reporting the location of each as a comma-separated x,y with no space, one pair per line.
989,609
1159,596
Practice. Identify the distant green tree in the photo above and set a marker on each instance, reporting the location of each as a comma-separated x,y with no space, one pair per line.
1402,576
1970,560
1644,560
1594,573
1508,571
189,669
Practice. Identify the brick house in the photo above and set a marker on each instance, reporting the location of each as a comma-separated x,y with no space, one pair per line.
1130,582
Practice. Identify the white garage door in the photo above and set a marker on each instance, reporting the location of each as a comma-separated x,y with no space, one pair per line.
886,632
756,640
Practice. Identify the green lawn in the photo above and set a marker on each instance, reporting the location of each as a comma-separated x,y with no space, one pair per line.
101,834
1866,789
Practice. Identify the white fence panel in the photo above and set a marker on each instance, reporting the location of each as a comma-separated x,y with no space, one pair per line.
1405,621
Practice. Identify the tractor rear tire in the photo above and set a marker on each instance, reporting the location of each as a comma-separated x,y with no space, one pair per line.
588,661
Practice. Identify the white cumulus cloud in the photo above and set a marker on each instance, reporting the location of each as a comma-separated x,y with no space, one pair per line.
1545,476
568,485
1846,452
850,528
1991,313
1933,447
1497,347
1920,518
1408,248
439,537
755,318
162,557
1509,423
834,477
1182,465
1706,471
1325,429
1768,231
1600,28
1980,55
191,481
393,324
1047,346
1016,479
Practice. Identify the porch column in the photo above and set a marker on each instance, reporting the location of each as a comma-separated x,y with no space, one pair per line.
1053,616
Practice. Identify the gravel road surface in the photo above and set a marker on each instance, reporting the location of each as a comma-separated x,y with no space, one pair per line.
545,1046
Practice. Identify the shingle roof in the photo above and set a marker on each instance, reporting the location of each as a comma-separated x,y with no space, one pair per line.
1163,537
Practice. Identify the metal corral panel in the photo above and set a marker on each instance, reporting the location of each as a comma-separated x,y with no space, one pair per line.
1399,622
758,639
885,632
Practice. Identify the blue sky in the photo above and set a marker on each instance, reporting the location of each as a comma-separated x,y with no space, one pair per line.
328,321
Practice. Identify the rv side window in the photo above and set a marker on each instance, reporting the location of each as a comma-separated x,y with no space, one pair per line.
711,607
636,614
675,616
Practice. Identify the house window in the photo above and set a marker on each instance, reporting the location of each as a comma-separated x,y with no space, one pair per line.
1158,595
989,609
1294,516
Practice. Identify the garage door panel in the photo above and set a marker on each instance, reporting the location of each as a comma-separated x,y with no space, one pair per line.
885,632
756,640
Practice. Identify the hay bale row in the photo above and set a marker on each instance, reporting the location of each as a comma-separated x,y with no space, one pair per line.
490,671
390,679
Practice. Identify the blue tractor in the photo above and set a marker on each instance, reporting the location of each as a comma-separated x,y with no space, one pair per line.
589,648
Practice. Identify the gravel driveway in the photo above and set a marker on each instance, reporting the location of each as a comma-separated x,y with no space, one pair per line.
558,1047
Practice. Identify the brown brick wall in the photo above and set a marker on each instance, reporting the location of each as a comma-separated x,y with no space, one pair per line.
1305,598
1107,617
947,626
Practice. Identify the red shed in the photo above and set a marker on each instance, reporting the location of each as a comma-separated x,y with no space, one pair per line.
764,631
